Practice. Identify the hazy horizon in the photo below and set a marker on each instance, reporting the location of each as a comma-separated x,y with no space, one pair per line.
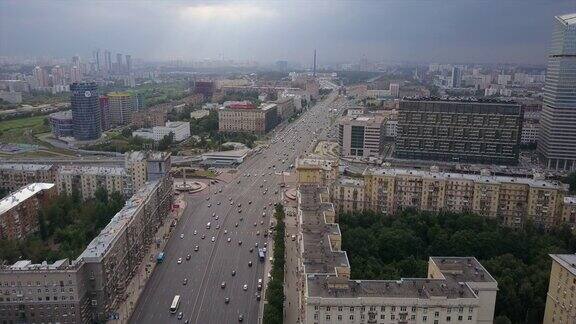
467,31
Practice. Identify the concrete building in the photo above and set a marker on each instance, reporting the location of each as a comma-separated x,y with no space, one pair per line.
569,211
149,118
557,138
285,107
457,289
88,179
529,133
200,113
180,130
90,288
245,118
19,210
459,131
361,136
225,158
85,111
61,124
15,176
560,299
121,108
456,78
105,118
316,170
394,90
136,166
512,200
348,195
159,165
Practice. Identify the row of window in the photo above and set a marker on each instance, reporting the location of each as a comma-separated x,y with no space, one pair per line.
392,308
460,318
39,298
38,283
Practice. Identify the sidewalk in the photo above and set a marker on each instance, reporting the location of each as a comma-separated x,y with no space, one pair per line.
292,278
146,267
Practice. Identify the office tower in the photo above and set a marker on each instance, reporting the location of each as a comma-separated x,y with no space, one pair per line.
85,111
107,61
459,131
394,90
128,63
97,60
121,107
361,136
119,66
75,74
40,77
104,112
557,138
456,79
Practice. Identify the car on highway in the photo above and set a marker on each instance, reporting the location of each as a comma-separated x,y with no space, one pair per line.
229,239
245,287
213,239
179,260
217,226
181,236
195,232
223,284
180,315
218,203
258,297
203,236
251,250
185,281
239,242
257,232
239,210
249,263
236,225
233,273
188,257
226,300
196,248
225,231
240,318
209,205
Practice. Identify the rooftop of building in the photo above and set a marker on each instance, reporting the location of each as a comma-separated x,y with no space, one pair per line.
567,261
316,162
570,200
65,115
159,156
462,269
318,256
493,179
135,156
350,182
230,154
267,106
364,118
175,124
27,265
471,100
92,170
567,19
119,94
22,194
421,288
25,167
101,243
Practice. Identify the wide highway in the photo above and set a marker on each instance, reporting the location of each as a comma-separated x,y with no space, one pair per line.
239,211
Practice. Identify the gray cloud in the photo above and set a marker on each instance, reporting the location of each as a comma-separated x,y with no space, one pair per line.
413,30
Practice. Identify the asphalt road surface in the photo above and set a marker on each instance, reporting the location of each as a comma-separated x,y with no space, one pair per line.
260,176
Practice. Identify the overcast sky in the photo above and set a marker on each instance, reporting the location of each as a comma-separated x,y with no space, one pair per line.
411,30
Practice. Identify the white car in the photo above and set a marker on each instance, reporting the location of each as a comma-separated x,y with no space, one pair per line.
179,260
245,287
195,232
229,239
213,239
181,236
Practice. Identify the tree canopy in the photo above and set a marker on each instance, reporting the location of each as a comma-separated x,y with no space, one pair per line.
383,247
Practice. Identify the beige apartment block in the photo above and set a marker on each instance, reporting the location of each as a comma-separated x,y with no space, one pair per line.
456,290
560,299
14,176
316,170
88,179
248,120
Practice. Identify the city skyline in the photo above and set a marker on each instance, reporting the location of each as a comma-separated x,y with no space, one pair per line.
463,32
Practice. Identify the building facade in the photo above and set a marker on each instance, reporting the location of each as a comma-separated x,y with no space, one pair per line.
361,136
90,288
459,131
61,124
85,111
557,138
15,176
247,119
19,210
560,299
121,108
86,180
105,121
180,131
149,118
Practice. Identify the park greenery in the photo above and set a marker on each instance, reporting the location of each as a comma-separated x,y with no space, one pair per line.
273,310
66,226
383,247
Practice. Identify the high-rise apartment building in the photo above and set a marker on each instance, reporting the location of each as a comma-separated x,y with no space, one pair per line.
14,176
85,111
394,90
104,103
557,137
459,131
560,299
121,108
361,136
40,77
456,79
128,63
119,64
86,180
107,61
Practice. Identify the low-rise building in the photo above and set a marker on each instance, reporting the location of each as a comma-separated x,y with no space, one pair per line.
560,299
61,124
180,130
149,118
19,210
197,114
14,176
285,108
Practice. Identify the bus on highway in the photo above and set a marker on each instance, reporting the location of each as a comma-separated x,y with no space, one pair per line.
175,304
160,257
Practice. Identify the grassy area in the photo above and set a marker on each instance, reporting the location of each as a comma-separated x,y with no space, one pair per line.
22,130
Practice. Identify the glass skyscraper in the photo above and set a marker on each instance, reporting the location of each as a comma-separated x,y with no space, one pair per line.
85,111
557,137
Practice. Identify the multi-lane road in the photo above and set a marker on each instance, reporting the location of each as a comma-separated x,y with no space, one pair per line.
236,212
